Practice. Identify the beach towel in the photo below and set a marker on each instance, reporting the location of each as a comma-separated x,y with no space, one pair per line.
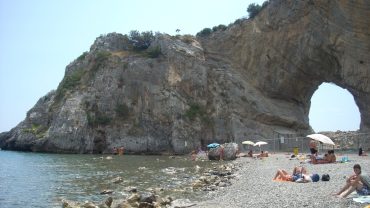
280,180
362,199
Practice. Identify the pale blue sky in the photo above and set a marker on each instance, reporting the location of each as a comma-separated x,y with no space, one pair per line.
39,38
333,108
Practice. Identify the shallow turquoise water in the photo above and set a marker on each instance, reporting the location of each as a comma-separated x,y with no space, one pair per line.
43,180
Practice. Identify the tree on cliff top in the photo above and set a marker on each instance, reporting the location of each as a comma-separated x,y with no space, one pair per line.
253,9
140,41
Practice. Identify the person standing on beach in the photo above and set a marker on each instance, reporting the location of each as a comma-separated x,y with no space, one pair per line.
222,152
121,150
115,151
313,147
358,181
361,152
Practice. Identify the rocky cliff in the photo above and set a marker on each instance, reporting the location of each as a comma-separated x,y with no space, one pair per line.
252,80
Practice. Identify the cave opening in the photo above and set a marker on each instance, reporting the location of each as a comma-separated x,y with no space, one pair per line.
333,108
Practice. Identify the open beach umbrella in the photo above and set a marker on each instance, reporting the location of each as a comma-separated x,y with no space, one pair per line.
248,142
259,144
321,138
213,145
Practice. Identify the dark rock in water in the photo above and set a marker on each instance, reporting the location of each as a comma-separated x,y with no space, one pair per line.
146,205
89,205
213,179
133,190
106,191
118,180
183,203
109,201
147,197
134,198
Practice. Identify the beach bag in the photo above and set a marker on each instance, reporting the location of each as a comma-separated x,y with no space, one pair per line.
325,177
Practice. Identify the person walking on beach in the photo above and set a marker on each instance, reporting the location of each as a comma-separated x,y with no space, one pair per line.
358,181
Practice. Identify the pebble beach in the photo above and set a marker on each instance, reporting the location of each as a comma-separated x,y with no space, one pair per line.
253,185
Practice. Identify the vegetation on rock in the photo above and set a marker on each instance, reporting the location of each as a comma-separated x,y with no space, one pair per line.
154,52
122,111
253,9
69,83
100,59
205,32
219,28
197,111
140,41
38,130
95,119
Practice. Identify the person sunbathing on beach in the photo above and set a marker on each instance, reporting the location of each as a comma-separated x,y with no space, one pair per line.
358,181
250,153
283,175
328,158
308,178
263,154
193,155
298,173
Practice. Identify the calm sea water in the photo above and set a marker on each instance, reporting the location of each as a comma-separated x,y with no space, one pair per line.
43,180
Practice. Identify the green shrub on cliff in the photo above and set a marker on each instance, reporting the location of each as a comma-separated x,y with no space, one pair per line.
69,82
122,110
205,32
194,111
36,129
154,52
82,56
100,59
140,41
98,119
197,111
254,9
219,28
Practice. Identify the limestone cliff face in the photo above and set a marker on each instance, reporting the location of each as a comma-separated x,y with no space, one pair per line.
252,80
292,47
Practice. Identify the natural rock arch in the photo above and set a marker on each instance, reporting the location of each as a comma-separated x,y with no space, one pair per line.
325,103
255,78
292,47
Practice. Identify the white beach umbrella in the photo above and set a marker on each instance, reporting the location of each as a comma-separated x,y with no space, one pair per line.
248,142
321,138
260,143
